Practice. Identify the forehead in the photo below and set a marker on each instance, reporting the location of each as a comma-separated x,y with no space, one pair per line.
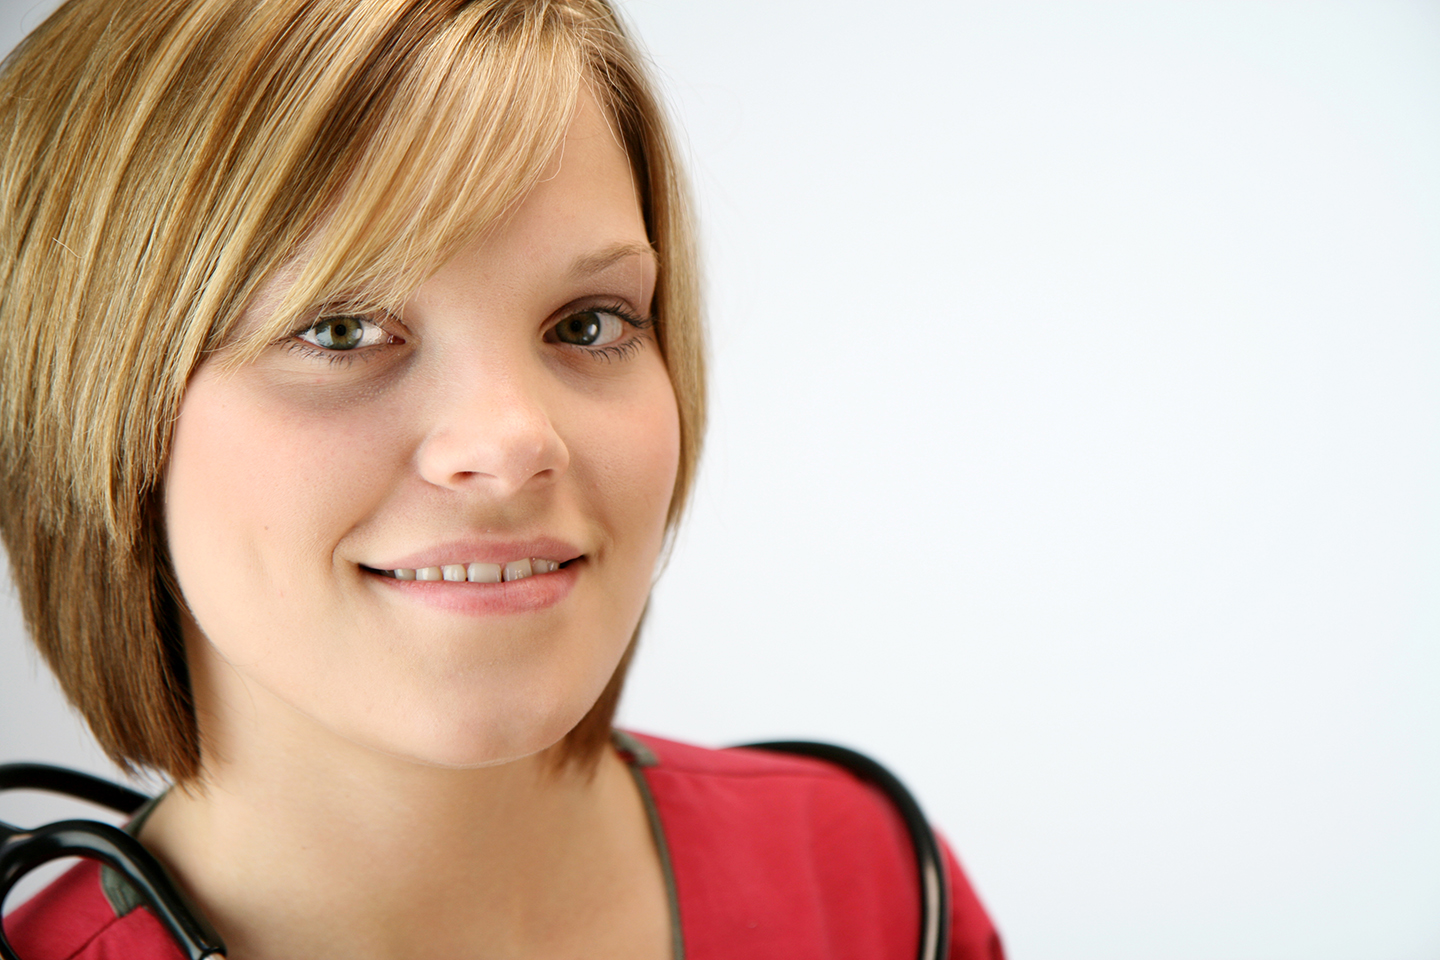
582,217
580,221
433,182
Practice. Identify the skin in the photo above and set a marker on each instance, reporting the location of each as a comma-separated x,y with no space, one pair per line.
375,774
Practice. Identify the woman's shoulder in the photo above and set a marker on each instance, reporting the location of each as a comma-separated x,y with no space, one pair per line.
765,791
773,852
74,919
768,800
687,760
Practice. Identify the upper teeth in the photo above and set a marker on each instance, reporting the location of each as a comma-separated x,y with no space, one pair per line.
480,572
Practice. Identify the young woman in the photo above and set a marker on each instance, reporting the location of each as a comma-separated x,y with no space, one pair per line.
352,381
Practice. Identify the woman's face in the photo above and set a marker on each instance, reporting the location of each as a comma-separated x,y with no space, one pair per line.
518,410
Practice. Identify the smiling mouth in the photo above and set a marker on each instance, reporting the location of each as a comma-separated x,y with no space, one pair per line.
478,572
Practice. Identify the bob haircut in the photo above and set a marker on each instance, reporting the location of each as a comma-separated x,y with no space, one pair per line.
160,160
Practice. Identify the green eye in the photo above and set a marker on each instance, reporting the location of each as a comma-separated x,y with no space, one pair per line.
589,328
340,332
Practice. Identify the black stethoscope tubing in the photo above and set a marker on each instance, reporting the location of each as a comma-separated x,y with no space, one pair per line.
23,850
934,879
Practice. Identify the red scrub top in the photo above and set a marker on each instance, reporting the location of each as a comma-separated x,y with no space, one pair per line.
766,856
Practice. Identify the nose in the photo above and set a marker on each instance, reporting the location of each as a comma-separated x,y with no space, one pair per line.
492,429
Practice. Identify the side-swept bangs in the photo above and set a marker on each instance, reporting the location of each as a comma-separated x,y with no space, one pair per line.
396,189
163,160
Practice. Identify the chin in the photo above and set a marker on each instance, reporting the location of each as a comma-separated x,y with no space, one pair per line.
466,743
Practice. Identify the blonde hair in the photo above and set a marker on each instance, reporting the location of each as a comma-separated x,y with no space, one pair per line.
161,160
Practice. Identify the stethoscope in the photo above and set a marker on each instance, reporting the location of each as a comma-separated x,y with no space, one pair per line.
23,850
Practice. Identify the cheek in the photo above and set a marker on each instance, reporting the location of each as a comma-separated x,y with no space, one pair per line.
250,491
636,455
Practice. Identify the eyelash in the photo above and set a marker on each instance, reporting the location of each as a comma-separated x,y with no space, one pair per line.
623,349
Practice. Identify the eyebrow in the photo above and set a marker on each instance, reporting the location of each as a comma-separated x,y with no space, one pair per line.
592,263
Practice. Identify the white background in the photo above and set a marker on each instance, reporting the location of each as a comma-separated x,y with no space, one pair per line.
1075,451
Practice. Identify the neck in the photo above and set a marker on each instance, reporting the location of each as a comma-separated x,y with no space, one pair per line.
347,852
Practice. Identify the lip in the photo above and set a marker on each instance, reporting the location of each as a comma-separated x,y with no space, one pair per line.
481,550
